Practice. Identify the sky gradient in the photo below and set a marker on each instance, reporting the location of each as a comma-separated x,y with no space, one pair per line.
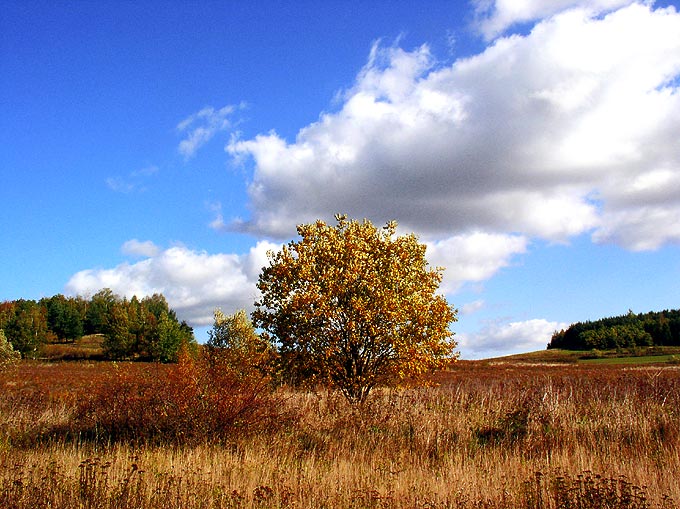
166,146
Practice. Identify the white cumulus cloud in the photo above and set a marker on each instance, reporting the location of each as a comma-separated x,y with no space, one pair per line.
569,129
472,258
508,338
194,282
134,247
493,17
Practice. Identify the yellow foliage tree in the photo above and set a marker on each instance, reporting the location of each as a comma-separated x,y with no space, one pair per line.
234,332
354,307
234,345
8,356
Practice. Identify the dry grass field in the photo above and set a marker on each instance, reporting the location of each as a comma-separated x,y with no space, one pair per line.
483,435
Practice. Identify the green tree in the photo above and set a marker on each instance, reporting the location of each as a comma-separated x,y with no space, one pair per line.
354,307
169,337
144,329
660,330
616,336
27,329
98,310
119,338
64,316
158,305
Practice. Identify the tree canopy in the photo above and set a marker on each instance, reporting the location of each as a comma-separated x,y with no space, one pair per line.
354,307
235,346
235,332
656,328
133,329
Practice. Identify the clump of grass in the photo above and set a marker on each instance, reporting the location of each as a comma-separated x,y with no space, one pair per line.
586,490
510,428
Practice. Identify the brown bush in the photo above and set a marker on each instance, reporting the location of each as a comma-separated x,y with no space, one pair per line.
194,400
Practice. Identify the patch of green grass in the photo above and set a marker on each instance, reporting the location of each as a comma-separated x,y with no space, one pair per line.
654,354
90,342
86,348
647,359
553,355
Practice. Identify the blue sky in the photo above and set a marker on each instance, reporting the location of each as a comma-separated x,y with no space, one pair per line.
166,146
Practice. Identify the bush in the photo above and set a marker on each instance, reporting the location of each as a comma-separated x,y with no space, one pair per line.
195,400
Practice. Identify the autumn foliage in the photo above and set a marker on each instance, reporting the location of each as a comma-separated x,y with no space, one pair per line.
197,399
234,346
8,355
490,435
354,307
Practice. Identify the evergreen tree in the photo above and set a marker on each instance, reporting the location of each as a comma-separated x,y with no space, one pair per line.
64,317
98,310
625,331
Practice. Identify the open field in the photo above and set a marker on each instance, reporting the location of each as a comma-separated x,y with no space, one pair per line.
647,359
485,435
86,348
638,355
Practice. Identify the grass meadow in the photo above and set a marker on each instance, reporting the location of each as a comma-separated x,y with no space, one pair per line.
481,435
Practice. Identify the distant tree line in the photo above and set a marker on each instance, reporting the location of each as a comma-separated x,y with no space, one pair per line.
656,328
145,329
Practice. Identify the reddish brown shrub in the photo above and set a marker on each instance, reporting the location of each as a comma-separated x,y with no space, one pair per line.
193,400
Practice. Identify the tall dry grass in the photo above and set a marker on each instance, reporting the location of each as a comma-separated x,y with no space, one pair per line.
488,436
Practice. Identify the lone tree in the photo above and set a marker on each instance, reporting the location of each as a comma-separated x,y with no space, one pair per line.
354,307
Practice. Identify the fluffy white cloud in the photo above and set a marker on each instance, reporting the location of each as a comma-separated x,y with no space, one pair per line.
570,129
472,258
493,17
134,247
199,128
194,282
507,338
